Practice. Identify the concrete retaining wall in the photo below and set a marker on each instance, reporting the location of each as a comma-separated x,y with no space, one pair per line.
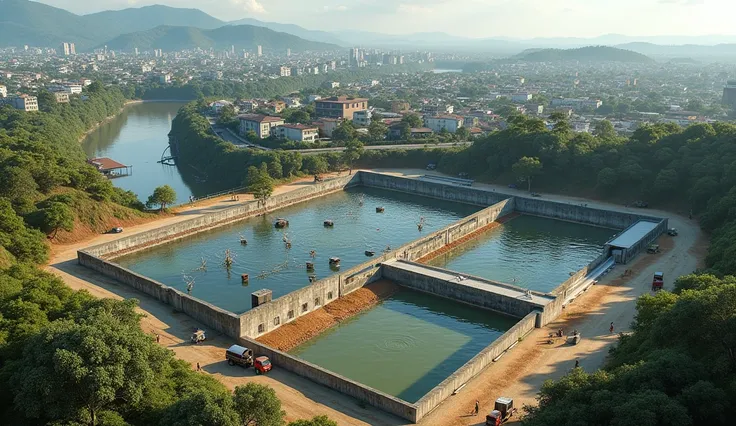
458,291
345,386
475,366
578,213
206,313
181,229
431,189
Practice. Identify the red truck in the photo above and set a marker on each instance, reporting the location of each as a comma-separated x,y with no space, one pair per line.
262,365
658,281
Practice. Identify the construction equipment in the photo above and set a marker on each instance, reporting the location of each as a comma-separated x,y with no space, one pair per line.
503,409
574,338
658,281
672,232
198,336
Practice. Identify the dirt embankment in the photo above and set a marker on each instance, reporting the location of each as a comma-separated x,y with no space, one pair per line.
478,232
293,334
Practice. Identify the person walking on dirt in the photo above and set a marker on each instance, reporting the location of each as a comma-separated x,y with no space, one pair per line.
198,367
477,407
577,363
611,328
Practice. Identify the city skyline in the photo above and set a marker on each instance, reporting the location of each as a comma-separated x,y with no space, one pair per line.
519,19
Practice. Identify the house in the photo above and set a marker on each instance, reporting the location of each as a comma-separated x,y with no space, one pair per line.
470,121
448,122
362,118
292,102
260,124
3,91
62,97
395,129
399,106
248,105
521,97
340,107
296,132
327,126
22,102
217,106
276,106
313,98
436,109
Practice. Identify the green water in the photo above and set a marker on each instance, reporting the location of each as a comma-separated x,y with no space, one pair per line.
137,137
529,251
271,265
406,345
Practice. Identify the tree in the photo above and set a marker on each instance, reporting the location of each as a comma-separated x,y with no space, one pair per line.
162,196
526,168
74,370
316,164
607,179
377,130
258,405
200,408
462,134
413,120
18,186
344,132
259,182
57,216
604,129
298,116
251,136
353,151
315,421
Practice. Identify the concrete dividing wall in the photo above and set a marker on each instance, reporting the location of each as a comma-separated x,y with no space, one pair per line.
345,386
431,189
578,213
206,313
475,366
289,307
466,291
178,230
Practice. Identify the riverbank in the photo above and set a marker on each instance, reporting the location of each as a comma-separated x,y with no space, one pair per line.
107,119
293,334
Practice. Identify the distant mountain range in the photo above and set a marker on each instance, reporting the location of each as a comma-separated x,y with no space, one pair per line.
37,24
241,37
588,54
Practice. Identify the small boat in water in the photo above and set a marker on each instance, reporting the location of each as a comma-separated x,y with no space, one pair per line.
281,223
379,209
329,223
370,253
334,261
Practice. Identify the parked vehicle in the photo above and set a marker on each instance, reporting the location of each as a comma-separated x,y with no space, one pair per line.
536,194
503,409
239,355
640,204
115,230
463,175
658,281
653,248
431,166
262,365
672,232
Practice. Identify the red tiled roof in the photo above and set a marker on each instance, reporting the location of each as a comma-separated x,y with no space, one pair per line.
299,126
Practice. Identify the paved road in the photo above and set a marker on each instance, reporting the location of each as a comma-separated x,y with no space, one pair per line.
386,147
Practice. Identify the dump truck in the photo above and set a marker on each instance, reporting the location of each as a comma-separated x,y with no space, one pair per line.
503,409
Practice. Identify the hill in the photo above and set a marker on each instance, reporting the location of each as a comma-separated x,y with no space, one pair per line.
589,53
724,50
241,36
37,24
314,35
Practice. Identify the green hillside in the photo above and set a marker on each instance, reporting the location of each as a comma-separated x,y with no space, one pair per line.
36,24
589,53
241,36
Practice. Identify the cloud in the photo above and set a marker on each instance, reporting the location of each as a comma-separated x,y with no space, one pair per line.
683,2
252,6
413,8
338,8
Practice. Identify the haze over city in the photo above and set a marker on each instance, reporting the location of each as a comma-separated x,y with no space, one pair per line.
471,18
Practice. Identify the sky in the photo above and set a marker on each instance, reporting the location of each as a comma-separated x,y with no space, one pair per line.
471,18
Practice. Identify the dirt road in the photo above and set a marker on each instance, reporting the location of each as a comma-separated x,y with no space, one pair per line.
519,374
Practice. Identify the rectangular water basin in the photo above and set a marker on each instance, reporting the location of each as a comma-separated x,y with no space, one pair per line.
407,344
532,252
358,228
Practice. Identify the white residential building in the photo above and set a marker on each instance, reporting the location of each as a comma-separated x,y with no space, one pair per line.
296,132
285,71
217,106
260,124
521,97
3,91
435,109
23,102
362,118
448,122
62,97
576,103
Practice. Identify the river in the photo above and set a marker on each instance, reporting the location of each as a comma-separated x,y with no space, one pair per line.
137,137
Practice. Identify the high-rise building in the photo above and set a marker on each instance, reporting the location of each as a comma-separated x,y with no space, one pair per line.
260,50
729,93
285,71
135,51
288,52
65,49
232,49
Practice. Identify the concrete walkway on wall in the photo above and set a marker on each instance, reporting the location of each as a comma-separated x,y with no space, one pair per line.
591,279
506,290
